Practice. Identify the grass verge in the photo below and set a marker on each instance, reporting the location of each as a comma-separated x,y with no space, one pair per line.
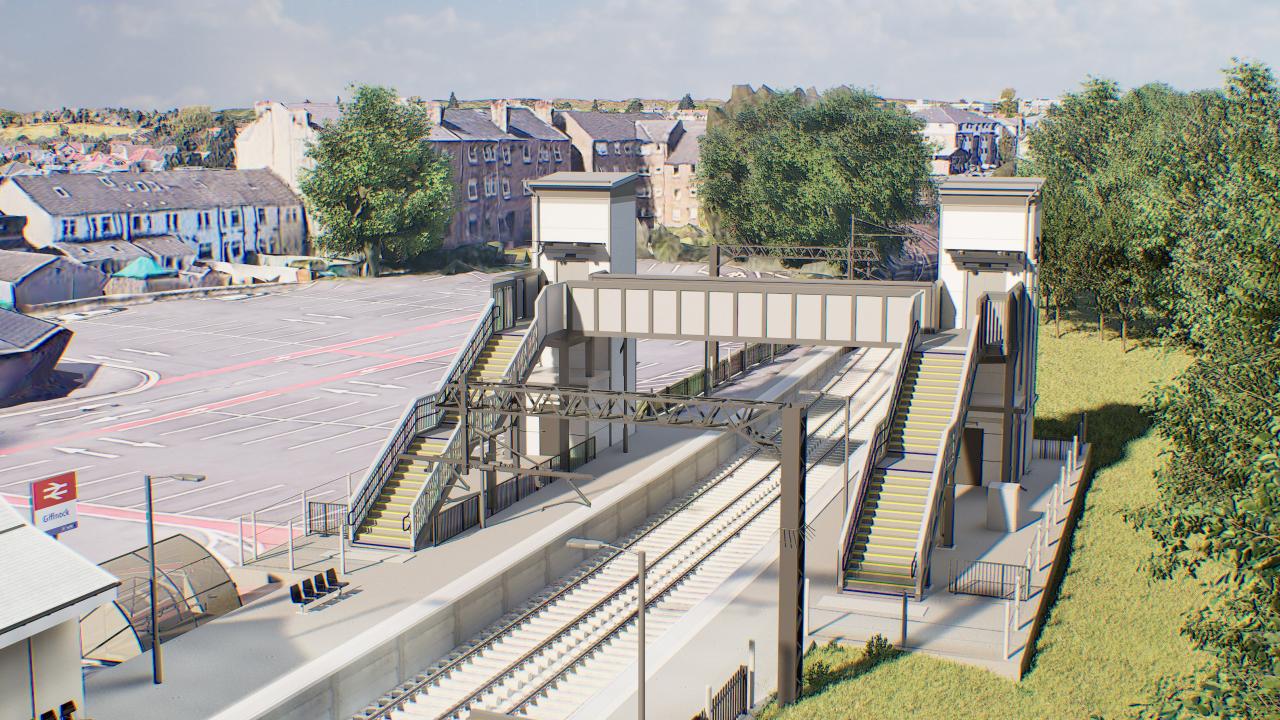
44,131
1113,633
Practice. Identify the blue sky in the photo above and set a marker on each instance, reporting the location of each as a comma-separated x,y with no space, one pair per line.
152,53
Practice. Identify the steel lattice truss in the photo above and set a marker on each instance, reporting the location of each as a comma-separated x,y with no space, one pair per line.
830,253
748,418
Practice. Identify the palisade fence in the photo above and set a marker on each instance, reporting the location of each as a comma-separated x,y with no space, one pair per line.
731,701
989,579
737,363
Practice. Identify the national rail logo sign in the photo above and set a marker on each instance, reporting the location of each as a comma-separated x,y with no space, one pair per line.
53,503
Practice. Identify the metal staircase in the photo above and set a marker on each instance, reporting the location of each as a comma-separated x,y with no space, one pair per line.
890,527
419,463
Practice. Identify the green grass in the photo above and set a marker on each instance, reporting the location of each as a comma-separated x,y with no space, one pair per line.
44,131
1114,630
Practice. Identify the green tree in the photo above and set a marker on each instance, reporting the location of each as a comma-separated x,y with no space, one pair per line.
453,100
193,119
686,103
787,172
595,106
1220,489
1008,104
635,106
377,186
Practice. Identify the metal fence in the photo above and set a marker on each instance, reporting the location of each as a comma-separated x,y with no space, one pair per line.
457,518
989,579
731,701
325,518
737,363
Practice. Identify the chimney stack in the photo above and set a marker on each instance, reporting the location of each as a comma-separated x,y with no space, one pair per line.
542,110
435,111
501,114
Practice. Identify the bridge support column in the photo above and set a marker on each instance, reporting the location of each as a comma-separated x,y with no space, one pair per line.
791,539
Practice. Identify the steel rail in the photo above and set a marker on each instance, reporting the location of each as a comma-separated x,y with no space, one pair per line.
407,693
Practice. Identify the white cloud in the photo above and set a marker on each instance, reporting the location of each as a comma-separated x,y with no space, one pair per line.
230,53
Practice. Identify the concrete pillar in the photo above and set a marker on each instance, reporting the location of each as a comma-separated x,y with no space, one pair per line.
791,555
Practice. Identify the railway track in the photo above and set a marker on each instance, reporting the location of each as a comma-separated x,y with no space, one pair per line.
567,642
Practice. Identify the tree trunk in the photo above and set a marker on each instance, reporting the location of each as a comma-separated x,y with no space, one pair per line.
1057,316
1124,333
1102,324
372,258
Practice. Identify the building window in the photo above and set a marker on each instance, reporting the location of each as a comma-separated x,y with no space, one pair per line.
642,192
68,228
524,184
602,148
544,154
506,188
676,193
105,225
262,216
645,150
528,153
106,181
644,171
657,169
473,228
559,156
235,218
472,194
142,186
693,214
617,148
206,251
489,154
57,190
675,215
137,222
506,154
471,154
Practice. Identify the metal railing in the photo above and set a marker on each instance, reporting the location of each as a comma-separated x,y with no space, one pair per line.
456,519
421,415
509,492
879,441
730,701
989,579
948,450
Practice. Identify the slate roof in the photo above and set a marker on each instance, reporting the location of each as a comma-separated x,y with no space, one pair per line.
40,576
610,126
658,131
99,250
19,333
318,114
523,122
950,115
687,150
164,246
93,193
16,265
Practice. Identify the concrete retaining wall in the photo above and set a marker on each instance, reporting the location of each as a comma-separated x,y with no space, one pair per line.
70,306
343,681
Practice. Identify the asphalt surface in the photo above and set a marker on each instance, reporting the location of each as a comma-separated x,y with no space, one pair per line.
265,394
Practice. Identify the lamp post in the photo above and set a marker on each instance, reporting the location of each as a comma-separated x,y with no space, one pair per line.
585,544
157,672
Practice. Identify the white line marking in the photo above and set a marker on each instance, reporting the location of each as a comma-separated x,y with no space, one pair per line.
198,488
297,320
109,359
326,439
82,451
145,352
377,385
332,317
237,497
122,441
109,418
357,447
126,491
174,397
340,391
25,465
109,477
29,480
298,429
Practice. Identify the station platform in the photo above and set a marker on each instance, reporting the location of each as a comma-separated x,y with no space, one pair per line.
242,664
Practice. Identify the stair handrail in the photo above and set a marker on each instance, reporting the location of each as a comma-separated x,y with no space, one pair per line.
526,354
421,414
949,445
879,441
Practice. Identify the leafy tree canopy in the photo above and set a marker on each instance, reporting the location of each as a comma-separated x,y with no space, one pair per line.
787,170
635,106
686,102
378,187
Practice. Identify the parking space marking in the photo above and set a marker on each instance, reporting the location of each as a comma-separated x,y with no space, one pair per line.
331,437
24,465
174,397
270,420
242,496
155,484
105,479
232,417
259,377
31,480
198,488
357,447
299,429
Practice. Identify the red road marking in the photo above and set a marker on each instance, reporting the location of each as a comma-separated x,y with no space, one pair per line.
316,351
270,537
220,404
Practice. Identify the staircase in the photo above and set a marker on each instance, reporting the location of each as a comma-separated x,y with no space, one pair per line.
384,524
882,553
